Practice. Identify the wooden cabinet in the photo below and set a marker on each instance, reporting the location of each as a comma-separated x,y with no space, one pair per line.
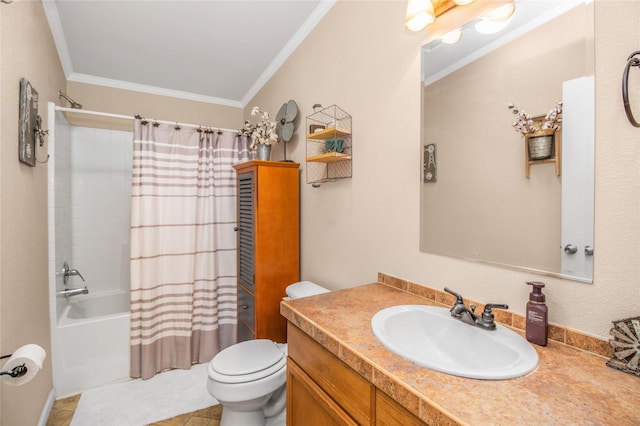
318,382
308,404
390,413
268,228
323,390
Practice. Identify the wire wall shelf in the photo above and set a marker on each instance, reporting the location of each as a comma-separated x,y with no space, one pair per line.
329,149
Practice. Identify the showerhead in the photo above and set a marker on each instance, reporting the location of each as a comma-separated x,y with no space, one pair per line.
73,104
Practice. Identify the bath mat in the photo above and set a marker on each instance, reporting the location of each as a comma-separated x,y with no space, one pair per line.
140,402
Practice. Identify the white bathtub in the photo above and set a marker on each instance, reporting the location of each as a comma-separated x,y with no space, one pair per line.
92,342
94,307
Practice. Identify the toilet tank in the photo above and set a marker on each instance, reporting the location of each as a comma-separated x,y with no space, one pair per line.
304,289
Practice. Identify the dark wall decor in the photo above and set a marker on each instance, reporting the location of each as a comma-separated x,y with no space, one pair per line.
27,122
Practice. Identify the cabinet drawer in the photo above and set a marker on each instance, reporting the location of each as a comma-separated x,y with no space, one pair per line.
346,387
246,308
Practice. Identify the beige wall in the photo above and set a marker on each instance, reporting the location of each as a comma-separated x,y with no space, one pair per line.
26,50
360,58
126,102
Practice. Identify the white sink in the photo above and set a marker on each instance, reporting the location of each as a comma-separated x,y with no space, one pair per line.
430,337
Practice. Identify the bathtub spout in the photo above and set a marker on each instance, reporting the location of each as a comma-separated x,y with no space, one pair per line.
70,292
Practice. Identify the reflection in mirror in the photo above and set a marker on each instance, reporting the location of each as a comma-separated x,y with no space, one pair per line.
482,206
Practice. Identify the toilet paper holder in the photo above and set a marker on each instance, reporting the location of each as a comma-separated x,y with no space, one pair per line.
23,365
17,371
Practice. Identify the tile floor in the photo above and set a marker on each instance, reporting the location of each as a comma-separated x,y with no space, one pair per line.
63,409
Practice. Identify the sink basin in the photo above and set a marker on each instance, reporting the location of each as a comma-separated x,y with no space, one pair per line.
430,337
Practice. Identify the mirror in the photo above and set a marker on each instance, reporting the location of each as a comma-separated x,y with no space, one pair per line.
477,202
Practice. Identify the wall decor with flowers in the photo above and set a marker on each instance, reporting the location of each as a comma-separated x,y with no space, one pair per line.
263,134
541,136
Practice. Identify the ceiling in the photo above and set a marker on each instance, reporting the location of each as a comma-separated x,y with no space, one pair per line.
217,51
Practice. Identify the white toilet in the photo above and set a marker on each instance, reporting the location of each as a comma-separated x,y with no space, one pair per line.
248,378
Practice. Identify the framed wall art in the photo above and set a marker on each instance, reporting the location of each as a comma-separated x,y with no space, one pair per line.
27,122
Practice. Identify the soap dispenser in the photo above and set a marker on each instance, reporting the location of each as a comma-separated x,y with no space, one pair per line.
537,313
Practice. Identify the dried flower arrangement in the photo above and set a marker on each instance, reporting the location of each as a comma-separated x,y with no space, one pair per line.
526,125
263,132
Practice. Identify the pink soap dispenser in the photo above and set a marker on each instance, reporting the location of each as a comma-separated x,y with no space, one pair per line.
537,313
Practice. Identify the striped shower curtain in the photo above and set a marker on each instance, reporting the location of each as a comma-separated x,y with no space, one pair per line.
183,245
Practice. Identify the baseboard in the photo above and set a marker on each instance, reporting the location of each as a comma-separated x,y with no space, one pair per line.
46,410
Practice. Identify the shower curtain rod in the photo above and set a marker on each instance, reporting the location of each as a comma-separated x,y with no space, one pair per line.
130,117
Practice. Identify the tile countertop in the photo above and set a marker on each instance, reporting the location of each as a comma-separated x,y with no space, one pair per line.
570,386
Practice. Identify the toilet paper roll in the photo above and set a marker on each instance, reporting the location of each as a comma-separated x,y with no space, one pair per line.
31,356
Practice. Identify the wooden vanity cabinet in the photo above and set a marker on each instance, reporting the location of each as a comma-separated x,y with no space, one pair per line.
323,390
390,413
268,229
318,382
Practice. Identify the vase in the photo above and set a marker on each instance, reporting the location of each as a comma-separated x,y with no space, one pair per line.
540,146
264,152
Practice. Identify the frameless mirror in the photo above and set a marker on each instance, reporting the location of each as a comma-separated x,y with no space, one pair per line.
477,201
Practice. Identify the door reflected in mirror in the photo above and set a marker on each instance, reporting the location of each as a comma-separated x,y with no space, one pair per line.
482,206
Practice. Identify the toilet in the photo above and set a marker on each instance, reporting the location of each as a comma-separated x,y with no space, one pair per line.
248,378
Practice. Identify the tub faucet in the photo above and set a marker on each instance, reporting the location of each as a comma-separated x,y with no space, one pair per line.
68,272
467,315
70,292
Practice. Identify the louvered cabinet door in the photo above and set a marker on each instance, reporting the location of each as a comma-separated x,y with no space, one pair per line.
246,250
268,204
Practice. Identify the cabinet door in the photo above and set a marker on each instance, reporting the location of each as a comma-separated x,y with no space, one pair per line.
340,382
311,405
390,413
246,231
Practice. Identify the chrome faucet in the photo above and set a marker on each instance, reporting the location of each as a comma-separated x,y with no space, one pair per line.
67,272
467,315
70,292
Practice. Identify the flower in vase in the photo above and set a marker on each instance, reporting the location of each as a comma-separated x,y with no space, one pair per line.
263,132
525,124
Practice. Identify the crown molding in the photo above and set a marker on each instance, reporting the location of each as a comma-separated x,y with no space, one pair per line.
295,41
153,90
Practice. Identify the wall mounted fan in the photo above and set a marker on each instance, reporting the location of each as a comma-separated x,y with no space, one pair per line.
284,123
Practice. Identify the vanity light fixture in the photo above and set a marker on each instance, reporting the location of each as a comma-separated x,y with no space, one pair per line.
487,26
501,13
420,13
495,20
452,37
493,16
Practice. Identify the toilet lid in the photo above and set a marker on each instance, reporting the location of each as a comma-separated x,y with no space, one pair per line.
247,361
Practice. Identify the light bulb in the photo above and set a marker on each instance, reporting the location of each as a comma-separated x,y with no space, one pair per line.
501,13
452,37
487,26
419,14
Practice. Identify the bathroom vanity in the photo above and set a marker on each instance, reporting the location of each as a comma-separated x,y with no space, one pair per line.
338,373
323,390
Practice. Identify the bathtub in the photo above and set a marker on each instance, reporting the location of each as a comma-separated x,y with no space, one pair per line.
92,344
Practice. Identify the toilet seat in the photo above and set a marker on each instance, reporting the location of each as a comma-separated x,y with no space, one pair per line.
247,362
